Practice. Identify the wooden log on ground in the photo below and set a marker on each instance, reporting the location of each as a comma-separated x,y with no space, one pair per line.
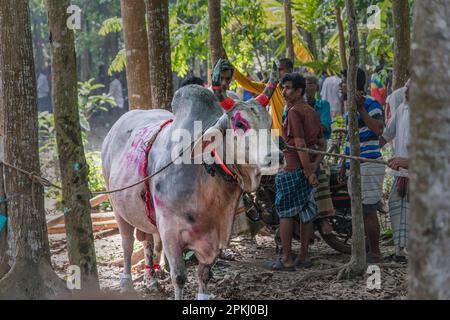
106,233
103,216
98,200
96,226
55,220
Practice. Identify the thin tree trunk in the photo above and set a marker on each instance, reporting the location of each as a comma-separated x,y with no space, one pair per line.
215,31
72,161
402,39
358,259
309,39
288,35
136,48
4,266
31,275
161,81
340,26
429,246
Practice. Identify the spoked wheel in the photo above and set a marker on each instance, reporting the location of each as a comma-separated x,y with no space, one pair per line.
341,236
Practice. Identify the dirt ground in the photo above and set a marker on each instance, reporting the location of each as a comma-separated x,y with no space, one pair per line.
245,277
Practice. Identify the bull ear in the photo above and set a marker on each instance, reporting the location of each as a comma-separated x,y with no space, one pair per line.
211,139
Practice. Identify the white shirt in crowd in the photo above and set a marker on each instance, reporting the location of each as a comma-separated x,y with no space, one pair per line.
394,100
330,92
397,130
115,90
43,89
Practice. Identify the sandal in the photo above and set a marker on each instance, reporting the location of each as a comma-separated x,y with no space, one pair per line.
278,265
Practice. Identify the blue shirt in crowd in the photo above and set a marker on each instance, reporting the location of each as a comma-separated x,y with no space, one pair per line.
369,141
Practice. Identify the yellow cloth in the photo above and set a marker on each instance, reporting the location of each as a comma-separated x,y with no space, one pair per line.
276,102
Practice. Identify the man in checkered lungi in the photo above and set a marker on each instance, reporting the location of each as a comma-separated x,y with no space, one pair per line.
295,185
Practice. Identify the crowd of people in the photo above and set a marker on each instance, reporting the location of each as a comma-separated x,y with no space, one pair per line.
304,107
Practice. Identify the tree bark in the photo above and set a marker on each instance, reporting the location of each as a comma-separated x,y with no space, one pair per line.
215,31
429,243
402,36
288,34
161,81
358,259
31,275
309,39
136,48
340,26
4,266
72,161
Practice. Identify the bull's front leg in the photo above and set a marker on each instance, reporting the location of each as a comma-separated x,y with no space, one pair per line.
204,274
174,253
126,232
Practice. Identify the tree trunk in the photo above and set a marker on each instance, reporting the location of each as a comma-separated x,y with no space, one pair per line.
309,39
429,244
358,259
215,31
340,26
288,18
31,275
400,17
159,53
4,266
136,48
72,161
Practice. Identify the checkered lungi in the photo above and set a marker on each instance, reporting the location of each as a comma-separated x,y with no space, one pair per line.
399,215
294,196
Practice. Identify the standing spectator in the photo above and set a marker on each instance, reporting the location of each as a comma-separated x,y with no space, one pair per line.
331,93
370,123
398,130
393,101
116,91
43,93
294,186
322,196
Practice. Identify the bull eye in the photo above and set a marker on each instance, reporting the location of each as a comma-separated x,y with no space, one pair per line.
190,218
240,125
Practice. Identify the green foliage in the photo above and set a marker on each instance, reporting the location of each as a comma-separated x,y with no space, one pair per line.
119,63
47,133
95,176
111,25
188,255
89,103
188,33
246,35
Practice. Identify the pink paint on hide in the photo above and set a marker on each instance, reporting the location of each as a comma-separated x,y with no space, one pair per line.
194,231
135,157
158,202
238,117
